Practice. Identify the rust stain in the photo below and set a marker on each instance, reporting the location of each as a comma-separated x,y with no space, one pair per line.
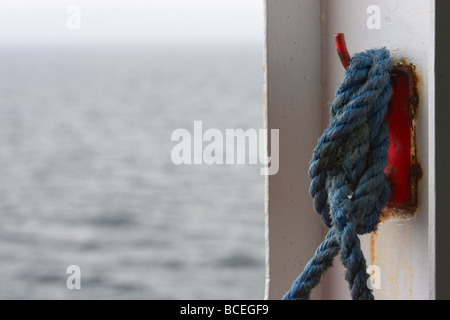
415,172
410,280
372,247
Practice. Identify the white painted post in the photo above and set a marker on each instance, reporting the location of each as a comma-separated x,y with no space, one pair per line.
302,72
293,94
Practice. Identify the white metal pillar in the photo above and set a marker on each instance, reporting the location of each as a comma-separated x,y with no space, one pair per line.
302,71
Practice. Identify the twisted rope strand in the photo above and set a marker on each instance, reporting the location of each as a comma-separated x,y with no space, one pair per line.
348,185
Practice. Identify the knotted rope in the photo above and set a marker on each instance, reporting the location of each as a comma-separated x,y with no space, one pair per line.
348,185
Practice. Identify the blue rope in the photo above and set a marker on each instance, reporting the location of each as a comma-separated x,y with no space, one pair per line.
348,185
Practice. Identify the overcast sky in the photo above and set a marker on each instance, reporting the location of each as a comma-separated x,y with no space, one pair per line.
131,21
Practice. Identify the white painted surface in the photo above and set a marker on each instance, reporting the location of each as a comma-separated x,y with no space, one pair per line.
303,71
293,105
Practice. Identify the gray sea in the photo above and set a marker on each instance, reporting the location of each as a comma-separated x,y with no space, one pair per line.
87,177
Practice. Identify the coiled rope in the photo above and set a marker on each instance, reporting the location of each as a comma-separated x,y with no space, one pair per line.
348,185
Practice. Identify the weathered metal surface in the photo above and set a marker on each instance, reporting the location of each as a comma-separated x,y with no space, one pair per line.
403,170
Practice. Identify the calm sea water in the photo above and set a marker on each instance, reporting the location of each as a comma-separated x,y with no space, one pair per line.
87,178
